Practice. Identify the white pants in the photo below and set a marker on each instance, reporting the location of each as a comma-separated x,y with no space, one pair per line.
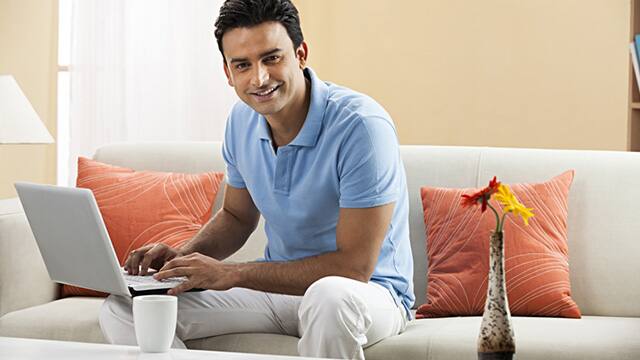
335,318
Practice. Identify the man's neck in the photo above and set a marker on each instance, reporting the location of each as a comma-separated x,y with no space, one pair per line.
286,125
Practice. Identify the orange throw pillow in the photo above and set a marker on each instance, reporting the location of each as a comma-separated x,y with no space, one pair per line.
536,256
143,207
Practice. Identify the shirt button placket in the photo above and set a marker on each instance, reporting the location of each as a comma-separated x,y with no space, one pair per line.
281,182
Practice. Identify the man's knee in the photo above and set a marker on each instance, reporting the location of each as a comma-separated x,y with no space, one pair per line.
115,306
329,288
333,296
115,316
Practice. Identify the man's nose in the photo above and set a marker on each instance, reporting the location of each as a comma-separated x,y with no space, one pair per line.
260,76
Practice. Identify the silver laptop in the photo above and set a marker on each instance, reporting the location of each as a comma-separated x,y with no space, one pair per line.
75,244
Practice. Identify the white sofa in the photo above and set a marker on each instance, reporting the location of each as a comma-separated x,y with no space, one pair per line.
604,246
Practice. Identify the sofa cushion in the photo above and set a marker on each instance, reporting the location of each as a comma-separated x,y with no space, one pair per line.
273,344
76,319
603,221
24,280
598,267
190,157
139,208
591,337
71,319
536,256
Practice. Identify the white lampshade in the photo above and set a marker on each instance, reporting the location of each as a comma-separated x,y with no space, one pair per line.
19,122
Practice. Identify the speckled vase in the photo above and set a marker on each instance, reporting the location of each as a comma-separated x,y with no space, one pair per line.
496,339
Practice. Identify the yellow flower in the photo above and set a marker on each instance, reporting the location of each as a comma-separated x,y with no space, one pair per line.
510,204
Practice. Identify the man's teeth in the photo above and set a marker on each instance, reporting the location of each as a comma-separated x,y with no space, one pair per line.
267,92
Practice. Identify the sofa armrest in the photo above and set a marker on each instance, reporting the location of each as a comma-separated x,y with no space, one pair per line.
24,281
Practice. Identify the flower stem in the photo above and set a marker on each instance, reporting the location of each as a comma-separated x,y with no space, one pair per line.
504,215
498,223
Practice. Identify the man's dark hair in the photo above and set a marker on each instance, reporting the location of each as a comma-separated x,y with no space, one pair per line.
248,13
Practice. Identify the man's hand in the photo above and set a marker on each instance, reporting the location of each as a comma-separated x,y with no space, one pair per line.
152,255
202,272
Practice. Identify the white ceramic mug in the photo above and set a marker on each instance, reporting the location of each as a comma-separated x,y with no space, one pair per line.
154,318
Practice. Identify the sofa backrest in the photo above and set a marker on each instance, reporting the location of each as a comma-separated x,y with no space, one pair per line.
604,222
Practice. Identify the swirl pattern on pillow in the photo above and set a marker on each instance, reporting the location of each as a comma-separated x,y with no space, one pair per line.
144,207
536,256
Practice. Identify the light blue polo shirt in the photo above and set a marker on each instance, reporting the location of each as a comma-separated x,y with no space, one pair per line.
345,156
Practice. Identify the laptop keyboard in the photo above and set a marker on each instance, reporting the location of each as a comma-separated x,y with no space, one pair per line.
147,282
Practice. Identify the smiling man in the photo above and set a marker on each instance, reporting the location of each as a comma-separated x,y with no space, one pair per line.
321,164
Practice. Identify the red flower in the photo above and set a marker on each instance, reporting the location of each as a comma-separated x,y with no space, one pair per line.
481,196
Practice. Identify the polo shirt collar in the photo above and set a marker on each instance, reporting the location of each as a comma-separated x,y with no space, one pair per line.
310,131
263,128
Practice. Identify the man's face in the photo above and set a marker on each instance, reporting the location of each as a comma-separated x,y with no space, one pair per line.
263,67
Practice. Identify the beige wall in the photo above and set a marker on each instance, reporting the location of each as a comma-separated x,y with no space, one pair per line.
530,73
28,51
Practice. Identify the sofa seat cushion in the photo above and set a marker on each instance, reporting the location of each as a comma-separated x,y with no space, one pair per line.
71,319
76,319
248,343
592,337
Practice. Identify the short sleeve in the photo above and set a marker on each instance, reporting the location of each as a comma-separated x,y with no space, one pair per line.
233,176
369,166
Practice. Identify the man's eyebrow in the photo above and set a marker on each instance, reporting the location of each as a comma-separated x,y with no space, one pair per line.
270,52
266,53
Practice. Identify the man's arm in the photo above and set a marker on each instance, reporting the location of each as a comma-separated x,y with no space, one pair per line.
229,229
359,237
221,236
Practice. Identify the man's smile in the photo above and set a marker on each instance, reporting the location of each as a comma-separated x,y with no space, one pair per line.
265,94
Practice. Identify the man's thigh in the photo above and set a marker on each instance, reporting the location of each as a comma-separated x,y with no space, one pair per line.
376,312
387,318
238,310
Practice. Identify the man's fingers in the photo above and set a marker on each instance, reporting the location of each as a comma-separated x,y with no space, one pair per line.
185,286
178,271
176,262
155,252
133,260
146,261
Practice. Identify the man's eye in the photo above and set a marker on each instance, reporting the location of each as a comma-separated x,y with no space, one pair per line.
272,58
242,66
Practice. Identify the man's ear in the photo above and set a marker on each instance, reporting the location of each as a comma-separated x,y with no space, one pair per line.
302,52
227,73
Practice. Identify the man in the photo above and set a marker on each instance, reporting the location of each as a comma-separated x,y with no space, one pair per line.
321,163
